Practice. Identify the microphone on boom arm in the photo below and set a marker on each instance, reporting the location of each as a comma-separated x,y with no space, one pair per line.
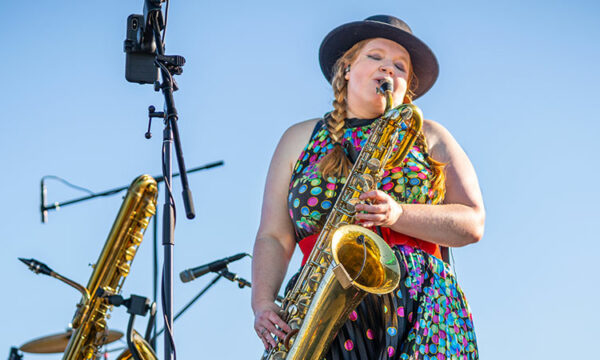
215,266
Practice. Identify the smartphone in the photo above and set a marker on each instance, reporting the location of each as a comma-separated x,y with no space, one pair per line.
139,64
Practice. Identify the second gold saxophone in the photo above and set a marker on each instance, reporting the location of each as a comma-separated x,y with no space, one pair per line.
348,261
89,322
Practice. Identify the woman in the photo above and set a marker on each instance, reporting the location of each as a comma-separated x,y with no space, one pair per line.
429,201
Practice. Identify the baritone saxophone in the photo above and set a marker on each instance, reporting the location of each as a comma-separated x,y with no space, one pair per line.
110,271
348,261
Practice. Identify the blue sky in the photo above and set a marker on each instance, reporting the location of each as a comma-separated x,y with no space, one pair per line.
517,88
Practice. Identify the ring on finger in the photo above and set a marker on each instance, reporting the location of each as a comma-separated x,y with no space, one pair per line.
262,332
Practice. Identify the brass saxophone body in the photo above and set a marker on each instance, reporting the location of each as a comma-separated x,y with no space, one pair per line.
348,261
110,271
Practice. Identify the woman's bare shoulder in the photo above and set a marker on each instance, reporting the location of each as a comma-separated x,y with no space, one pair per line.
293,141
439,139
301,129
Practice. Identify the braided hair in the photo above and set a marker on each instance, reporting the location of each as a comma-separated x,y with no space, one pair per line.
335,162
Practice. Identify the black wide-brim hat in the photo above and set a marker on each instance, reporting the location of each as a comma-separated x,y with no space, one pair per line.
341,39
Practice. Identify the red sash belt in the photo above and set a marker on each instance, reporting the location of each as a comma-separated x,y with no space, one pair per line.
391,237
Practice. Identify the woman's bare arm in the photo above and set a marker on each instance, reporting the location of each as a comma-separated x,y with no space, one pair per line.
275,240
457,222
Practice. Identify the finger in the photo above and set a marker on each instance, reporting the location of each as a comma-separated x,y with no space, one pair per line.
263,335
279,322
373,209
377,196
368,195
265,343
371,217
267,335
381,196
272,329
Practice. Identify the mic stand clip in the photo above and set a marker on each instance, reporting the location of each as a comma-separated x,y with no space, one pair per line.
242,283
136,305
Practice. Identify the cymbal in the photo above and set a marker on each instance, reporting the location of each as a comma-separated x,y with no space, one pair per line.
57,343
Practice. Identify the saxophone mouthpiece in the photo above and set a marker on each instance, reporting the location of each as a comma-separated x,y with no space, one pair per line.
37,266
385,85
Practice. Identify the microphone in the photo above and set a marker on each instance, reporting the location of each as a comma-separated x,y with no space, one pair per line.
191,274
43,204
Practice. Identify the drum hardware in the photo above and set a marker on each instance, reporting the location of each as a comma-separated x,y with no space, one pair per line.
14,354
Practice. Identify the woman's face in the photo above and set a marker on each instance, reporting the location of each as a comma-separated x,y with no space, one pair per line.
377,60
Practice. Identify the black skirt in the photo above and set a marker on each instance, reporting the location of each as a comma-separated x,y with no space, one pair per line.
426,317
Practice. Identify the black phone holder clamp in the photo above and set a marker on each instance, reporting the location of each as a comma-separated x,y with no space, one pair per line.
144,53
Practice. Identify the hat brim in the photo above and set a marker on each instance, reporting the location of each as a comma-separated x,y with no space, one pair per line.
341,39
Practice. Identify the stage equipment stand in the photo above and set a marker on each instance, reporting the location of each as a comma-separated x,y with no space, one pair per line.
168,66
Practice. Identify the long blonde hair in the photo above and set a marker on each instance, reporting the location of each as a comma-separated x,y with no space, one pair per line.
336,163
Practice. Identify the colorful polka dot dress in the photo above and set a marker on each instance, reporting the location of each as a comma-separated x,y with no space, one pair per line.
427,316
311,197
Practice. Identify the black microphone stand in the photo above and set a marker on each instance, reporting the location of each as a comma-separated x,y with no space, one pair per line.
159,178
190,303
169,66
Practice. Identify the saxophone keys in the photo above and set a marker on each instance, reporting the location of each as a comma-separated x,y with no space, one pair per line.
289,339
373,164
123,268
292,310
149,208
314,280
295,323
365,181
89,352
143,222
342,223
303,304
370,182
351,205
130,253
406,113
391,114
136,237
279,355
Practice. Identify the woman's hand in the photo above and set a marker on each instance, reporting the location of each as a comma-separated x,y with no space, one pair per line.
383,210
268,323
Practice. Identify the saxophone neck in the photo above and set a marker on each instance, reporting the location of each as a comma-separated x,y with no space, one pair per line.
389,100
39,267
83,306
82,289
386,88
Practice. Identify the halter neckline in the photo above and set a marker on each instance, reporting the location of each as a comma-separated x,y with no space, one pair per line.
357,122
